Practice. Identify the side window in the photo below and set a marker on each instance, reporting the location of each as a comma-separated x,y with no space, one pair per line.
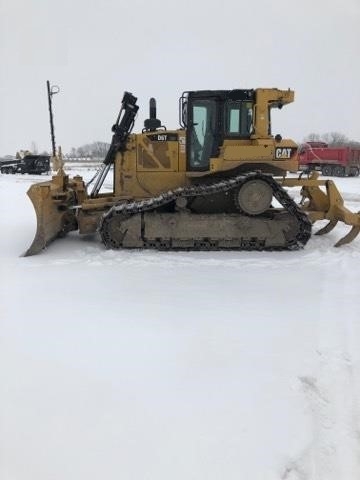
238,118
234,120
248,118
200,122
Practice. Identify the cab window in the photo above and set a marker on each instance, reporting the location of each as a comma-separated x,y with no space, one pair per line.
201,133
238,118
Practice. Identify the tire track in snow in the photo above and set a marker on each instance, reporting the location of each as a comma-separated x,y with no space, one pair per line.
332,402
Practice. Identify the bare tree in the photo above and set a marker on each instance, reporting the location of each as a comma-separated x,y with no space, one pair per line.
336,139
312,137
73,153
95,150
99,149
34,148
333,139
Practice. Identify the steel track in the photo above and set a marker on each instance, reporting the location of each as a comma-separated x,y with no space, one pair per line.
126,210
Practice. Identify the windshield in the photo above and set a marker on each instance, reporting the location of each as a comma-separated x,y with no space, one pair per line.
201,133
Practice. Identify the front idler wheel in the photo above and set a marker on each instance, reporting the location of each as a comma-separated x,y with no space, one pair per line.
113,232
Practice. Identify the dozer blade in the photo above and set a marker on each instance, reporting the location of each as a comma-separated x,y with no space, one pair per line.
53,218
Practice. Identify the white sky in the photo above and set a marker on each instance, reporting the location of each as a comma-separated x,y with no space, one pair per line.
96,49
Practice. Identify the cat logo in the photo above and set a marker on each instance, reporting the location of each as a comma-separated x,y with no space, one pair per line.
282,153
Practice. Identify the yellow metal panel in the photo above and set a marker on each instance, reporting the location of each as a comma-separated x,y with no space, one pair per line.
157,152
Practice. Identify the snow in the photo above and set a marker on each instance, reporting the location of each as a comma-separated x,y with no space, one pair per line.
152,365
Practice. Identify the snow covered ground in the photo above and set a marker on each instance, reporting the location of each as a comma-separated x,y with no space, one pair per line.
173,366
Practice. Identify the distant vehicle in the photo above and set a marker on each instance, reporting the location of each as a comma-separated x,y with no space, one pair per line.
30,163
337,161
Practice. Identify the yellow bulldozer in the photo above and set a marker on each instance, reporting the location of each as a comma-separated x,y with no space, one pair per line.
220,181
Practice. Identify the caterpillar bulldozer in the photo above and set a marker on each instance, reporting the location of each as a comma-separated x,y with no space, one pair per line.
220,181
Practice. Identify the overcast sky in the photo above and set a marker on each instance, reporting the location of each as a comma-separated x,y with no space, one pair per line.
95,49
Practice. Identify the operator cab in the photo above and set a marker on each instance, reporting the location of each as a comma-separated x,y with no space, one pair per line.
210,117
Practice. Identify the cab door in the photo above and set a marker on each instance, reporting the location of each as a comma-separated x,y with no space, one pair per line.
202,133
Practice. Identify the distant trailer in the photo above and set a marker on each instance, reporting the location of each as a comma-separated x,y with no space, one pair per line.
337,161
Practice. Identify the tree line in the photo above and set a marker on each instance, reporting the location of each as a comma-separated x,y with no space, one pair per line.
333,139
94,150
